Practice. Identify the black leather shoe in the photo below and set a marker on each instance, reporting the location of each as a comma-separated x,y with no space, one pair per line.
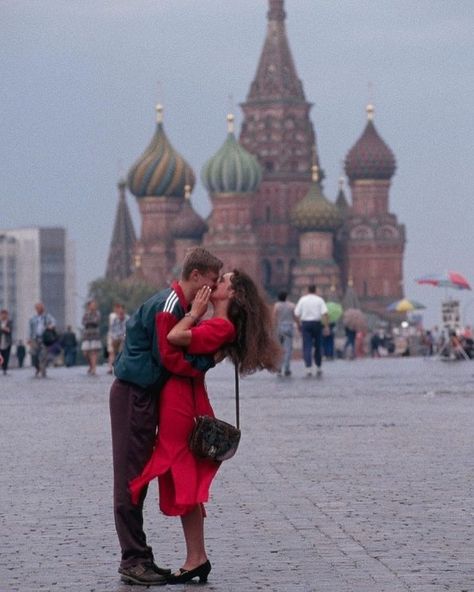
183,576
141,575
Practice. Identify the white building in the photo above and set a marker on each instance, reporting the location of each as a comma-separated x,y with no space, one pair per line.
37,265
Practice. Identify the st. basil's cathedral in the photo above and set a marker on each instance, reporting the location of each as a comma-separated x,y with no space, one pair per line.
269,213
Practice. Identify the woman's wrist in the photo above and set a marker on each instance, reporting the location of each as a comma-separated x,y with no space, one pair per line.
192,316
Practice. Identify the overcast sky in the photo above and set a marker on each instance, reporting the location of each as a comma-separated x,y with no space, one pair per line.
80,80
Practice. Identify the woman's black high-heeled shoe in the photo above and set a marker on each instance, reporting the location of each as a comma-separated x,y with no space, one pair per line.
184,575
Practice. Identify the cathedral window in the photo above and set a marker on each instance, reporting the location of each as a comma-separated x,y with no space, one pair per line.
269,166
362,233
387,232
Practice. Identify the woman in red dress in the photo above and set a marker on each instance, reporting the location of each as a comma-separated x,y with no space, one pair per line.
241,327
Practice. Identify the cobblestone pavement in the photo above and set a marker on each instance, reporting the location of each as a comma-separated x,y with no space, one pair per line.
357,482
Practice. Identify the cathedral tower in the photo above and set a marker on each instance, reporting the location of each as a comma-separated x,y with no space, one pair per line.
374,240
277,130
316,219
232,177
120,262
158,181
187,230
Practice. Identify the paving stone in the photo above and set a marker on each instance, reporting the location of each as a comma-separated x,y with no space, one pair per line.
358,482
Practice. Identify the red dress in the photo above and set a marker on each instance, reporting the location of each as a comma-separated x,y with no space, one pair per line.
184,480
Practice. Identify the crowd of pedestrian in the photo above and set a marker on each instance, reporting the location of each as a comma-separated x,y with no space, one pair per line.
48,347
305,324
323,339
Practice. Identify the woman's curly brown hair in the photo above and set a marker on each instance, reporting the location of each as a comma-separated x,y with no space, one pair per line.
255,347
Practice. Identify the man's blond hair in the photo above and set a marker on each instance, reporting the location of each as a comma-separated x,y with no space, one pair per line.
202,260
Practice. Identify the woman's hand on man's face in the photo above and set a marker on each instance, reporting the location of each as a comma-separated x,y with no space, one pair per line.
201,301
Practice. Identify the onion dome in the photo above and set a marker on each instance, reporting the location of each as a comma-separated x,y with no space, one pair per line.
160,170
232,169
370,157
188,224
314,211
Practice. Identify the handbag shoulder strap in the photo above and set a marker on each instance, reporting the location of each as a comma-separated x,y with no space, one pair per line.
237,409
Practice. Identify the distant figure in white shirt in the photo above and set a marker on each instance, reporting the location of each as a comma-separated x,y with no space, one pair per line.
116,333
312,314
284,319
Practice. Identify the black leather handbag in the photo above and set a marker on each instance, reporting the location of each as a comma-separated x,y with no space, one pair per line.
214,438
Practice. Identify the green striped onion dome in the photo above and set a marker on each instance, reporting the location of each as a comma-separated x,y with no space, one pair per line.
315,212
160,170
232,169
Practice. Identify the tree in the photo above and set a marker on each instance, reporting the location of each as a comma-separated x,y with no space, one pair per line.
109,292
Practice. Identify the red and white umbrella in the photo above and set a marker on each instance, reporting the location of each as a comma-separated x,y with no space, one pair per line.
449,279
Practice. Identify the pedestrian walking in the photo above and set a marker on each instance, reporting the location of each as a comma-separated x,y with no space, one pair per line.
116,333
360,344
428,343
312,318
284,321
20,353
328,342
375,343
91,344
141,371
241,323
108,349
42,335
69,344
6,329
437,339
350,345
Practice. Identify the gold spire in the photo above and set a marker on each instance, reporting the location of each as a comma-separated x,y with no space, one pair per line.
159,113
137,260
230,123
121,185
314,166
370,111
187,191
